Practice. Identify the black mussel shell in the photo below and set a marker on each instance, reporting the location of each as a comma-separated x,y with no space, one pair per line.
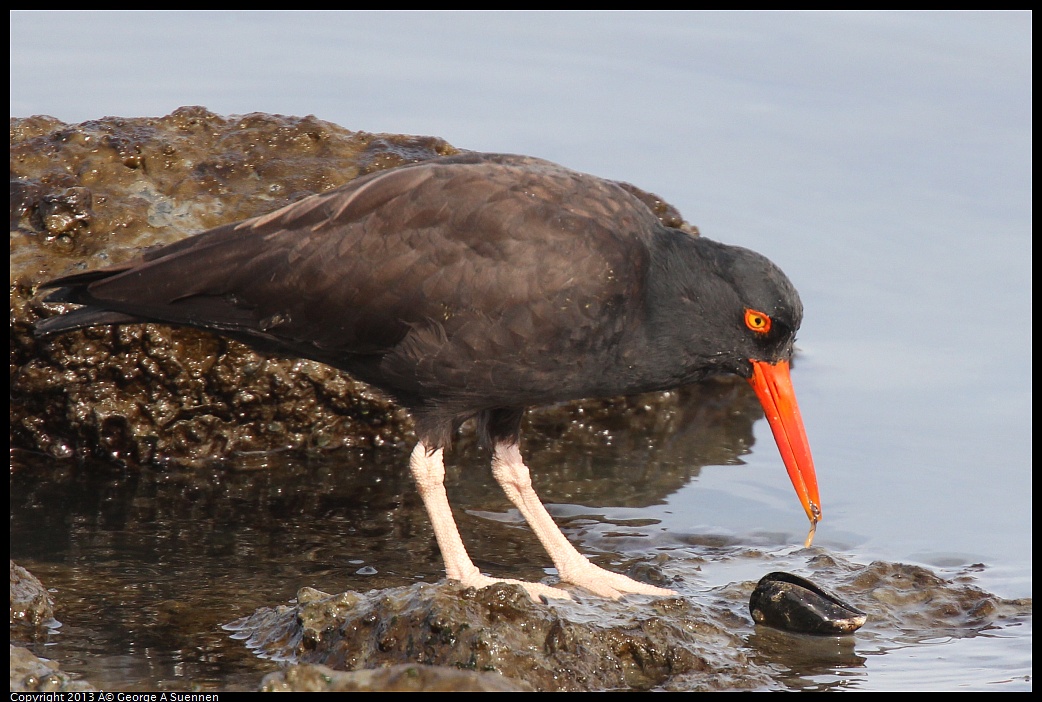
791,603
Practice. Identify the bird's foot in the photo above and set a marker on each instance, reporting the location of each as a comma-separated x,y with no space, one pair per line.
608,584
537,591
589,577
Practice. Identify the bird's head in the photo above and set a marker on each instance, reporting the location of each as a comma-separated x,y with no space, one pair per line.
761,313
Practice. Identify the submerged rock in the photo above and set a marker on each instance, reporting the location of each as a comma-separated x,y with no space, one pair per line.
30,673
396,678
571,646
32,608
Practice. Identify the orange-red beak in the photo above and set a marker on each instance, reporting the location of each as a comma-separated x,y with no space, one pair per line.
773,386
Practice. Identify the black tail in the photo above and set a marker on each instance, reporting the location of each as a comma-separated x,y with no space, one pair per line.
81,319
73,288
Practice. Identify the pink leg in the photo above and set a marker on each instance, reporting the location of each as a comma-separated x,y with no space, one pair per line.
512,474
428,469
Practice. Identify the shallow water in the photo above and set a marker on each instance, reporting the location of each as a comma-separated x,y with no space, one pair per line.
881,159
147,565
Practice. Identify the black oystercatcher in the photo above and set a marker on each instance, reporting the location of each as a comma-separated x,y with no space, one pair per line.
476,286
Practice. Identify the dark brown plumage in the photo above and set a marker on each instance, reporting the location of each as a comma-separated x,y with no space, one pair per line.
477,285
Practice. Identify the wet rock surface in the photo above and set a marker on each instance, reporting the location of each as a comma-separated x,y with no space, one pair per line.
31,621
30,673
594,645
32,608
398,678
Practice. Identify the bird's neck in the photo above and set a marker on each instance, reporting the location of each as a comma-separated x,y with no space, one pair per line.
679,332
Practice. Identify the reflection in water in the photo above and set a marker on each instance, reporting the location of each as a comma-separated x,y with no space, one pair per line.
808,662
147,564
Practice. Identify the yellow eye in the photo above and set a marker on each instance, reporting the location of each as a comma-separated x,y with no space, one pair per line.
757,321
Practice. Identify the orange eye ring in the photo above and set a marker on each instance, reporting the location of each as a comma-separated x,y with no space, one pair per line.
757,321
